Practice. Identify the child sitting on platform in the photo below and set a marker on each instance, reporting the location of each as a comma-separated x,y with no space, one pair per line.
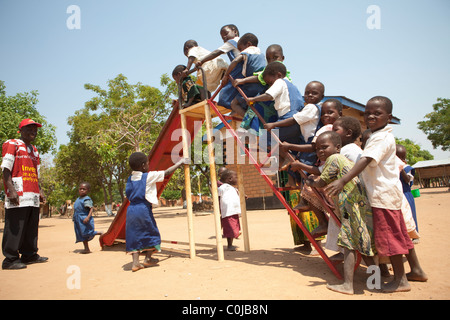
251,122
230,207
214,69
249,61
379,171
356,232
191,93
274,52
230,36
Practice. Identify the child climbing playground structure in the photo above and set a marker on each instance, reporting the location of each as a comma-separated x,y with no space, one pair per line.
160,158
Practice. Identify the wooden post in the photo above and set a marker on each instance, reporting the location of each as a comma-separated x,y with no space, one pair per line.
214,192
241,189
187,178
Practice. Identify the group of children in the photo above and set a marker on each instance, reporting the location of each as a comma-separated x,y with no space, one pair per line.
362,186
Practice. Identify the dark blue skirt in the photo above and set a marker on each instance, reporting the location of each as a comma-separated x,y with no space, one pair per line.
141,230
83,232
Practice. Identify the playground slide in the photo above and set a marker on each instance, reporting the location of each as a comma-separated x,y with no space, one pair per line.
159,159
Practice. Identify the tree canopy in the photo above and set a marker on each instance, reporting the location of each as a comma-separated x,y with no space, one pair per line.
414,153
14,109
119,120
437,127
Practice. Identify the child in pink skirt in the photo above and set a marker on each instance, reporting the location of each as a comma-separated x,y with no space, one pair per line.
230,207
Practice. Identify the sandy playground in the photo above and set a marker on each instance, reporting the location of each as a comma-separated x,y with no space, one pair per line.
273,270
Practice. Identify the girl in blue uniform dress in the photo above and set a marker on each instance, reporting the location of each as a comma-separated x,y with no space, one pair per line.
142,234
82,217
250,61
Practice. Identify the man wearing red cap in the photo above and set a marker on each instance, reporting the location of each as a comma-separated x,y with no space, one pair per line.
20,167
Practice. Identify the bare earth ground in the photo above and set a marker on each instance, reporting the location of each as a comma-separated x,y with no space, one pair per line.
272,270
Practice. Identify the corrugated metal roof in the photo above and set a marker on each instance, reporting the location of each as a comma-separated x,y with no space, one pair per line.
431,163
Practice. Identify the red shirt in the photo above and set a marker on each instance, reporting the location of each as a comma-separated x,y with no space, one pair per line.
24,166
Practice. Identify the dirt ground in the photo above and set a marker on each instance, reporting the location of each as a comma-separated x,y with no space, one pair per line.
273,270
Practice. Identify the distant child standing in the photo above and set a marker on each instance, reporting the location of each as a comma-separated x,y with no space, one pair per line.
380,174
142,234
82,217
407,178
354,208
230,207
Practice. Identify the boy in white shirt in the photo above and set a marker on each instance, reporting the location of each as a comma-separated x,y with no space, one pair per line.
214,69
380,174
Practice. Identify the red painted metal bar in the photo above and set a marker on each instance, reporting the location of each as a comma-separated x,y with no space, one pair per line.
277,193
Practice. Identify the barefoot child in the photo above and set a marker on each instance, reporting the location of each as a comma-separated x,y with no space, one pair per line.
355,214
380,174
142,234
230,207
82,217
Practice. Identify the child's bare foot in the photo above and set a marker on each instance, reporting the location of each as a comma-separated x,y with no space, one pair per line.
417,276
85,251
341,288
137,267
396,286
306,248
231,248
150,262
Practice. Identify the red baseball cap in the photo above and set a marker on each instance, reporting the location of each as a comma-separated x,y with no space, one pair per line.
27,122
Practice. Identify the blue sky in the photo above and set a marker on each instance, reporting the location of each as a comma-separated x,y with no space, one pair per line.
407,59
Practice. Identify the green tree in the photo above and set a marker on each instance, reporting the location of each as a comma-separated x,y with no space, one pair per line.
14,109
437,127
118,120
413,151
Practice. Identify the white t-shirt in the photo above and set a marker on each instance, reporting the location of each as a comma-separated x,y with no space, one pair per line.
280,94
227,47
381,176
151,193
308,119
351,151
198,52
214,69
230,203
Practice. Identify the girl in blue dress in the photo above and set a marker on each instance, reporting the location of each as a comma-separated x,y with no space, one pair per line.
82,217
249,61
142,234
